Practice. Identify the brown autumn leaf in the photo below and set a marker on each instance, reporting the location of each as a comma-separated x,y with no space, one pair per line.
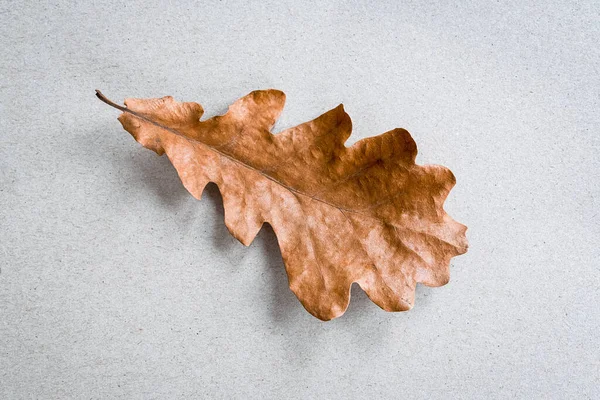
365,213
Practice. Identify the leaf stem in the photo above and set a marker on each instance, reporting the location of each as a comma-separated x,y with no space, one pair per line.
104,99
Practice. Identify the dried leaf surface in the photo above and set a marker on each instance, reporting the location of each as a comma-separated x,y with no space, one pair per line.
365,213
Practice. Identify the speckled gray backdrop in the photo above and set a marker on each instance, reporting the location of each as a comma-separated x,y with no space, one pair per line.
115,283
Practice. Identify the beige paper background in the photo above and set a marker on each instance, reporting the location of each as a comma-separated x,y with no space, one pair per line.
115,283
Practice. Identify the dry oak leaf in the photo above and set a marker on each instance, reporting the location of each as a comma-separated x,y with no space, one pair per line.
366,213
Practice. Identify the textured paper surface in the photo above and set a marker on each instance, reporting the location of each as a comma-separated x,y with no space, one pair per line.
115,283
